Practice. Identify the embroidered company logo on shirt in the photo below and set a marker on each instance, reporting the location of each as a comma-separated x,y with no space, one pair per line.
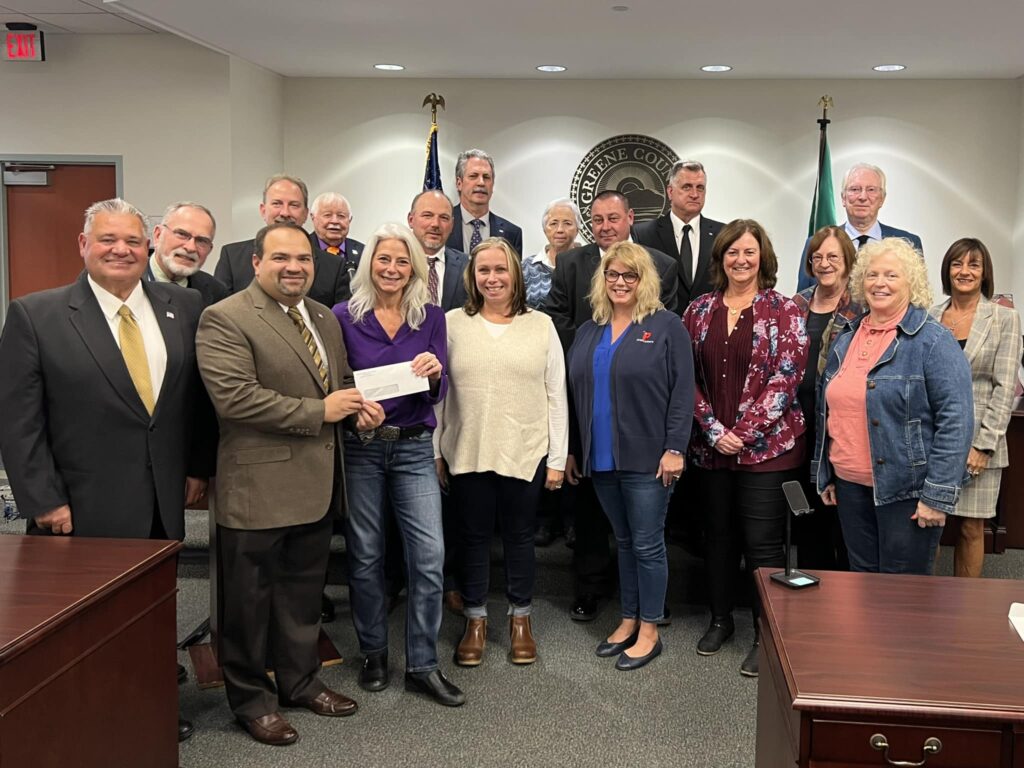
646,338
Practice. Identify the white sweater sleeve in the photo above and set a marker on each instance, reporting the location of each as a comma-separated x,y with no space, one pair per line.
558,403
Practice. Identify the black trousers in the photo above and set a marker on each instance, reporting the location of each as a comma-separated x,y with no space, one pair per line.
271,582
481,499
593,563
744,514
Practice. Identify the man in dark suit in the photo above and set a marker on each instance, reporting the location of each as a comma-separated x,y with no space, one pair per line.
181,242
274,364
332,217
473,222
285,199
684,233
431,220
104,431
863,196
611,219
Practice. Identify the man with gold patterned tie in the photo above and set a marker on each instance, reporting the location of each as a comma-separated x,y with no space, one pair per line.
332,217
106,422
275,366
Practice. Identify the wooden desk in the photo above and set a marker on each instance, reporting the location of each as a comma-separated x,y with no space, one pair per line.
908,657
87,676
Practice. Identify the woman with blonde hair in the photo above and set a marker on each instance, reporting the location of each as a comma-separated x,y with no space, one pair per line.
631,377
893,431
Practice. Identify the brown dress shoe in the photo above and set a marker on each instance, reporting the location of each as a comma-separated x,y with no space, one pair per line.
523,648
271,729
327,703
453,602
471,647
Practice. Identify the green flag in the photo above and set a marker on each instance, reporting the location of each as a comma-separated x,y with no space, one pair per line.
823,205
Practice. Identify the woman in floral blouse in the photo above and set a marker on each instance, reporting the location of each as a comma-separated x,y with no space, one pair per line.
749,354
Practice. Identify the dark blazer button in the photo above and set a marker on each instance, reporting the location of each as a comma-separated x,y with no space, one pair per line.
874,422
879,461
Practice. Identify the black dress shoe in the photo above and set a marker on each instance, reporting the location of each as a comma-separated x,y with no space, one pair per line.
435,685
374,676
584,609
544,536
666,617
749,666
185,729
182,674
607,649
721,629
627,663
326,609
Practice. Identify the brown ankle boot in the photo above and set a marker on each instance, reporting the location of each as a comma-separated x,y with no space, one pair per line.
470,651
523,648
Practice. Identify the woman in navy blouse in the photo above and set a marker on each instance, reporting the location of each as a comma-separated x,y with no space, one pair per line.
390,320
631,378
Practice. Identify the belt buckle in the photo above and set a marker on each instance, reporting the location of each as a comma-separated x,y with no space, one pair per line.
389,433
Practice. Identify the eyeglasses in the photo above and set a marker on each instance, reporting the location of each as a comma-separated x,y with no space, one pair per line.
629,278
202,243
819,259
868,191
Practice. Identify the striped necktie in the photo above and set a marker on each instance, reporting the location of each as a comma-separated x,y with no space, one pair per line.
432,280
307,336
134,352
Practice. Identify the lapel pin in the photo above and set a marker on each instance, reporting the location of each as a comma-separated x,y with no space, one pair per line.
170,315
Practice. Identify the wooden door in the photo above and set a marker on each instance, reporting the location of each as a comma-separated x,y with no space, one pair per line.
43,225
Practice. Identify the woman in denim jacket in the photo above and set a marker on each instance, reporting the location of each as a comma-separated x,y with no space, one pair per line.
894,417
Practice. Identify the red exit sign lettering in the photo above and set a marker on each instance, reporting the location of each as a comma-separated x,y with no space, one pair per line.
24,46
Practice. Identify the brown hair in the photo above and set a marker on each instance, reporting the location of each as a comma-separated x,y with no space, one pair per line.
965,246
768,265
474,299
846,245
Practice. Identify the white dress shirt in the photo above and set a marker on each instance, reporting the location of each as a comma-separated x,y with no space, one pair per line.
467,228
677,227
145,318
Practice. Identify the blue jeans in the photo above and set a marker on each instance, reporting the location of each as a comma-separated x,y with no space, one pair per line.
884,539
636,504
400,472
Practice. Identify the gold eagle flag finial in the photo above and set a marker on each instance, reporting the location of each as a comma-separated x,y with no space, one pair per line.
435,100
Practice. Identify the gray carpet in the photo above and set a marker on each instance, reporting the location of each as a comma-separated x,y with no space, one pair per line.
568,709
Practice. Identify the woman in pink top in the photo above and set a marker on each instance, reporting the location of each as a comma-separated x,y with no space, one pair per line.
893,425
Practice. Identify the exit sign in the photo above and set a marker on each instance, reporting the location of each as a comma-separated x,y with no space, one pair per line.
24,46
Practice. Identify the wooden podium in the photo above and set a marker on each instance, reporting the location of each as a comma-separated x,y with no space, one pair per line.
909,661
87,657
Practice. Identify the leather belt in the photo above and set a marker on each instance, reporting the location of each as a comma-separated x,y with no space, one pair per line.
392,433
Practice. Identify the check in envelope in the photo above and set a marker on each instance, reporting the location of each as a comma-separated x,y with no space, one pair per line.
387,381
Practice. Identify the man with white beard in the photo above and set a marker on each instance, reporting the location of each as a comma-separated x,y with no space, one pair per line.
181,242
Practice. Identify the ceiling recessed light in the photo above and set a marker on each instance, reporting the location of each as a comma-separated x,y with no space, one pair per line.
716,68
620,8
551,68
389,67
889,68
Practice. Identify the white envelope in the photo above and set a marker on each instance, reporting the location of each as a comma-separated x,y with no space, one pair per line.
387,381
1016,617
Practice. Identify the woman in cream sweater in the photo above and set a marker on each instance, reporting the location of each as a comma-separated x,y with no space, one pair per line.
502,435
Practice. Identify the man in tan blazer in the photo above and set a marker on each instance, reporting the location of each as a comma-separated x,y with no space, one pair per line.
274,364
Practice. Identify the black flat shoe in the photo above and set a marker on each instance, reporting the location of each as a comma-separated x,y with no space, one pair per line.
607,649
749,666
435,685
185,729
326,609
544,536
374,676
570,537
584,609
627,663
666,617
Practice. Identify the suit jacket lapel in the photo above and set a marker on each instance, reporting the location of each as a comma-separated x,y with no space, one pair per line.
979,329
667,237
168,317
457,228
88,320
452,275
707,242
320,320
272,314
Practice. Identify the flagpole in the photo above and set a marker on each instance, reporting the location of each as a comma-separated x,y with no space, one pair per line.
826,103
432,173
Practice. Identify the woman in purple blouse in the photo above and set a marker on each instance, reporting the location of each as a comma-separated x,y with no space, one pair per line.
749,353
389,320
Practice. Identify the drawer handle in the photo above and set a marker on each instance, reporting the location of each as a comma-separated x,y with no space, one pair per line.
932,746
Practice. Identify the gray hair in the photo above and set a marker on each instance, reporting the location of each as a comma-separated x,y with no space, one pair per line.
685,165
864,167
416,295
465,157
175,207
562,202
294,180
330,198
114,206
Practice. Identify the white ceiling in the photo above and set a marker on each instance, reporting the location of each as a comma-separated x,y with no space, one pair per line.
509,38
